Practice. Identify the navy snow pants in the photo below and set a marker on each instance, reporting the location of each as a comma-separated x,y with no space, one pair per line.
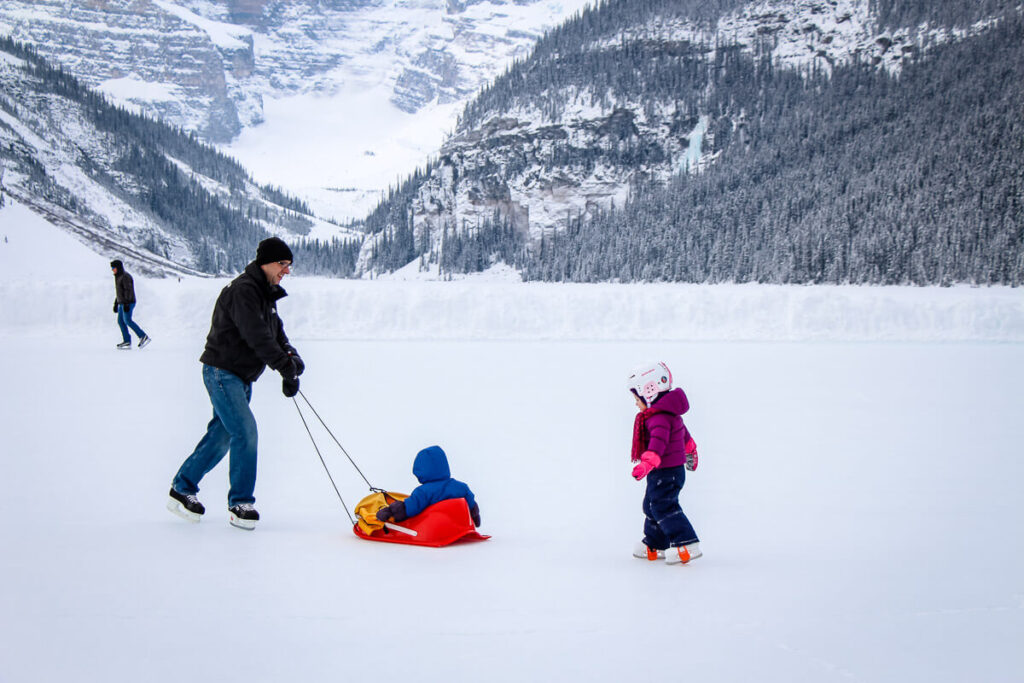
666,524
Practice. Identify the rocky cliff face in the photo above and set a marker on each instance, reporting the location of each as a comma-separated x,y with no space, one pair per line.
206,65
181,75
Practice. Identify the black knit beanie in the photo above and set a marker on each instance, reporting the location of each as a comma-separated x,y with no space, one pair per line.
272,249
117,265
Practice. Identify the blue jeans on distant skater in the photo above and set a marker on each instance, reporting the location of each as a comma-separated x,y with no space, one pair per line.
124,320
233,428
665,524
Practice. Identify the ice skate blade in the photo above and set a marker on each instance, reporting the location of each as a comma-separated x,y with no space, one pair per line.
238,523
178,509
642,552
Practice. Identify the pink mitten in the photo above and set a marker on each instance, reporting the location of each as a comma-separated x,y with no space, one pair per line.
691,454
648,461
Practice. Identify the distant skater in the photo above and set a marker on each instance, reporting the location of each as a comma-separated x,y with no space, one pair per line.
663,451
124,303
246,335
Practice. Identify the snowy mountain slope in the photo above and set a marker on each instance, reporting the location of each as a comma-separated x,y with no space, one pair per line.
264,69
34,246
858,177
630,94
797,35
125,183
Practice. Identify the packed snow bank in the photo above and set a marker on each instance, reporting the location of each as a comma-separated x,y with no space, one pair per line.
341,309
542,311
71,292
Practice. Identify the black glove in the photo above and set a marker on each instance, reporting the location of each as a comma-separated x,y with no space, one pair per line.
290,370
297,360
474,512
290,386
115,307
394,512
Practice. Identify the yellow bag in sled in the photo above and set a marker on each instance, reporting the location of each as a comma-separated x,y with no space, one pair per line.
366,509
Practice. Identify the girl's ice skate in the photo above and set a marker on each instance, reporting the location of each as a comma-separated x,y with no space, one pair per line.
683,554
642,552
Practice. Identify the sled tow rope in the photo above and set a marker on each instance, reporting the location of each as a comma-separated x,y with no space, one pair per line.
320,455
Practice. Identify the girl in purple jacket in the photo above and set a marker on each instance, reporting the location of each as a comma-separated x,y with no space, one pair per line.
663,451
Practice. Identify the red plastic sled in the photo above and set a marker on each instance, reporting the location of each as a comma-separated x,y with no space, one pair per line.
440,524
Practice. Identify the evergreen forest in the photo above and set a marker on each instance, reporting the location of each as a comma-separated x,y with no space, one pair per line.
857,177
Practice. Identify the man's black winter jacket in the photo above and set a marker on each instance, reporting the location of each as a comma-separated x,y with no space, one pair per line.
245,334
124,288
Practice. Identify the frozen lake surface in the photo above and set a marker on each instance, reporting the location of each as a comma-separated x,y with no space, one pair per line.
858,506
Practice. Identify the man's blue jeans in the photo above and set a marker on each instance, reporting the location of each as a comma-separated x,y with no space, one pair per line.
124,321
233,428
666,524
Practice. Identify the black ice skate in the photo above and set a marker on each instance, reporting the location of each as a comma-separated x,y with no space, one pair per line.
185,506
243,516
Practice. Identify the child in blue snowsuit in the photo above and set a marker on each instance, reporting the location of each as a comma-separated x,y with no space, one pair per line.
436,484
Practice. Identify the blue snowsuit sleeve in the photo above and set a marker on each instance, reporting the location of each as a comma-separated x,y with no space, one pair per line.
467,494
416,502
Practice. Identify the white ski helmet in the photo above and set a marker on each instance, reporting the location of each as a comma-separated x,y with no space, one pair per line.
649,380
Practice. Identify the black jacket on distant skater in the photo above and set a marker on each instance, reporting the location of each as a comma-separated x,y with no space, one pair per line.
246,334
124,287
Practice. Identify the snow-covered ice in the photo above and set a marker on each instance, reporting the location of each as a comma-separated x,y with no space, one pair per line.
857,500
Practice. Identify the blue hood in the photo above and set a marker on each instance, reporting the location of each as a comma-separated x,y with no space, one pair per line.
431,464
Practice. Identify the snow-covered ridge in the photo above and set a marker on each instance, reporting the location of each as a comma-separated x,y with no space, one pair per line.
804,33
799,32
829,32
